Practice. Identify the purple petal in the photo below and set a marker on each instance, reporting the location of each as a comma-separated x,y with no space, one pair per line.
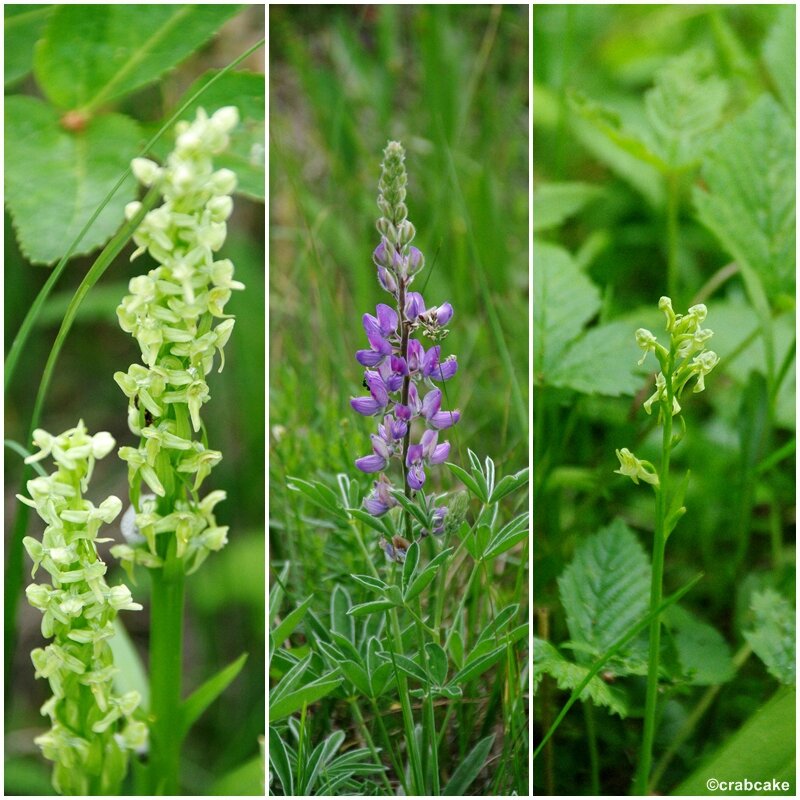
444,313
379,447
397,429
416,261
371,326
387,319
415,305
431,403
380,255
387,280
413,400
446,369
416,353
414,454
377,342
369,358
377,388
416,478
444,419
399,365
428,443
431,361
404,412
374,506
440,453
373,463
365,405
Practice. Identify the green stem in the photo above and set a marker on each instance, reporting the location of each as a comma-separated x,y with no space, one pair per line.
685,731
591,741
656,590
166,660
390,749
430,719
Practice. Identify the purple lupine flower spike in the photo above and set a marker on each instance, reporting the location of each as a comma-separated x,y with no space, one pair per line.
400,370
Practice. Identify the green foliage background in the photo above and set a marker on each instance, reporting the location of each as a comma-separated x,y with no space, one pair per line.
59,60
711,148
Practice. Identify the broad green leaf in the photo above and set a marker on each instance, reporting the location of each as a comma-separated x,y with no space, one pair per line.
246,780
245,154
564,300
375,584
474,667
603,361
276,592
703,654
749,204
468,769
407,665
568,676
308,694
779,55
376,523
606,589
23,27
55,179
93,54
773,637
683,107
287,625
199,700
553,203
763,749
341,622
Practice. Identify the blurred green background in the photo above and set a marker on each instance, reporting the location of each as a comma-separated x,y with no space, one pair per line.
451,83
608,209
225,599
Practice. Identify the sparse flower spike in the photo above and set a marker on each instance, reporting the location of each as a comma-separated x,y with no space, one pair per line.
176,313
401,373
93,728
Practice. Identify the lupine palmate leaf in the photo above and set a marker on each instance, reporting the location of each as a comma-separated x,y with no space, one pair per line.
750,201
605,591
92,54
773,636
567,675
597,363
55,179
564,300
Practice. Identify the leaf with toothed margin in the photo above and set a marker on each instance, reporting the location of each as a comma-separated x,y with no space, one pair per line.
55,179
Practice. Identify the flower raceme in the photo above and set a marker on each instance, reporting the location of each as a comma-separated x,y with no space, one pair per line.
401,374
93,728
685,358
176,314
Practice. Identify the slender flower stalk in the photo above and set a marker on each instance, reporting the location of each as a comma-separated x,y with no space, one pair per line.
685,359
401,374
176,314
93,728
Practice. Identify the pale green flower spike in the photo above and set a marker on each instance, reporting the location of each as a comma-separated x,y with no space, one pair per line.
172,312
92,728
634,468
